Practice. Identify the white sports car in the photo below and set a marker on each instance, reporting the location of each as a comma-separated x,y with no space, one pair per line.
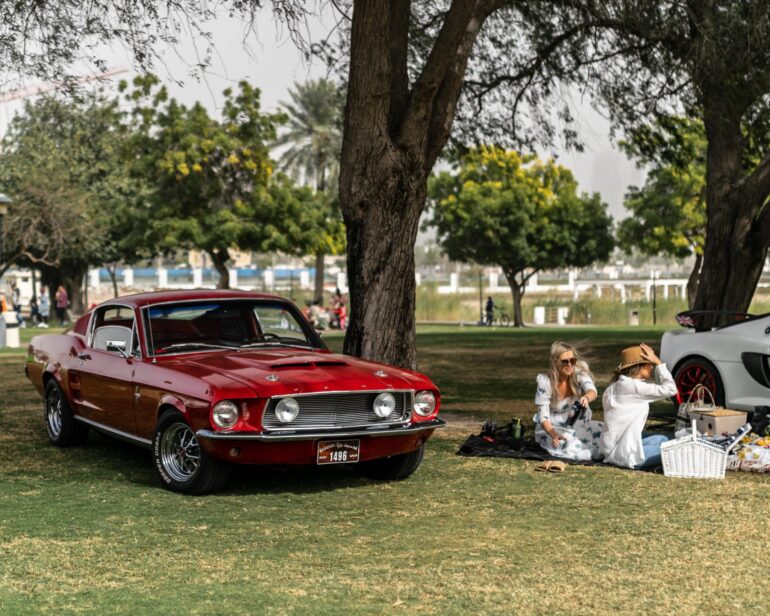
733,361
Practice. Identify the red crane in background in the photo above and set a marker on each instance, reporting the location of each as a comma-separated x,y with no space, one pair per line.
41,88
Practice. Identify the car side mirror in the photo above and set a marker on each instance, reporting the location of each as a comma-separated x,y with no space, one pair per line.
119,346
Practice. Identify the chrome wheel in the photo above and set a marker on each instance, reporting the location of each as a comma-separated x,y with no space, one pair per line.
53,413
180,454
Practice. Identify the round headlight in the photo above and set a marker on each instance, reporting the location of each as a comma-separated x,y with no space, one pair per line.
424,403
384,405
225,414
287,410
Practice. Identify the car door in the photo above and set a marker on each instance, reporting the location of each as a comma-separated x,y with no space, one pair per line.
106,369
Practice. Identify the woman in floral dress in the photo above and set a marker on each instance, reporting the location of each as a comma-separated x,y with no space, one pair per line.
568,380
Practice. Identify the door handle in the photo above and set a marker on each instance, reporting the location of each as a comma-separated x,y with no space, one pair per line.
83,356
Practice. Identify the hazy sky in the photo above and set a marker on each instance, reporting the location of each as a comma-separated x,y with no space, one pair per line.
273,63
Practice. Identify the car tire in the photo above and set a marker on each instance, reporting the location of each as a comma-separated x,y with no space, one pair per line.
60,423
695,370
395,467
182,464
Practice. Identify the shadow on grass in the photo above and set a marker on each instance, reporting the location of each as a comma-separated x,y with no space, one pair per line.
248,479
110,458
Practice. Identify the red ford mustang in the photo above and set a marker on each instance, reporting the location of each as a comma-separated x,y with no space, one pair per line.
209,378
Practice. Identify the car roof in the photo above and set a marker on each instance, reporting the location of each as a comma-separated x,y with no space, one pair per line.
162,297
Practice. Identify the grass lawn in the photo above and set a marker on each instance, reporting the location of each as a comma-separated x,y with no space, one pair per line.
89,530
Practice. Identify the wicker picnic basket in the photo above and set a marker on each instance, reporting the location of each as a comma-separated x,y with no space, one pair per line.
691,456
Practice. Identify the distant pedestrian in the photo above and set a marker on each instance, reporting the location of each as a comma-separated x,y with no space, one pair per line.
16,301
45,307
62,303
34,311
490,311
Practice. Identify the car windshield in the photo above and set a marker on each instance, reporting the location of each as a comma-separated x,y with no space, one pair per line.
224,324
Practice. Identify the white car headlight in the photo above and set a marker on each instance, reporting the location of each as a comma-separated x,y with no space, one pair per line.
225,414
384,405
287,410
424,403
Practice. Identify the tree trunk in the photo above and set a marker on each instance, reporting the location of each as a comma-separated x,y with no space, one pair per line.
319,278
692,281
219,258
73,282
391,140
735,251
517,292
381,276
112,270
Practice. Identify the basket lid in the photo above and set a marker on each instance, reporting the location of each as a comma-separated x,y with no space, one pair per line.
719,412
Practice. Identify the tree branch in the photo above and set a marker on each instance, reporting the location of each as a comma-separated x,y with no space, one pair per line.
528,276
433,100
755,190
398,50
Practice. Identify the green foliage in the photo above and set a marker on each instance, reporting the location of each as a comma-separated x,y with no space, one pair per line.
213,183
74,200
312,141
502,208
313,134
208,176
668,214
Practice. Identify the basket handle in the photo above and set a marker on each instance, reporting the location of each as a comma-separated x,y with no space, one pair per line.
700,391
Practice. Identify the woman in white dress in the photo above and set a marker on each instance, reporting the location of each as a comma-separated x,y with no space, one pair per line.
568,381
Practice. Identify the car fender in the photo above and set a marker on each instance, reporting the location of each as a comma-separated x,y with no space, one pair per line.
677,346
172,401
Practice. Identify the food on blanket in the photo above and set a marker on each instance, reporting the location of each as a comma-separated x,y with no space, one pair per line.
753,449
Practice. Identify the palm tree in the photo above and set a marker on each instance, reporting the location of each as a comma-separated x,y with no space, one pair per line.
313,141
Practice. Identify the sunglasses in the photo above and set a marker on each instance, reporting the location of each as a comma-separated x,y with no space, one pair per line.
568,362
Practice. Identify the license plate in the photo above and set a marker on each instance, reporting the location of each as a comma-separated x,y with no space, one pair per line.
338,452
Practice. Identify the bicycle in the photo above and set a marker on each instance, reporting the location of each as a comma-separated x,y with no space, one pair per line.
500,318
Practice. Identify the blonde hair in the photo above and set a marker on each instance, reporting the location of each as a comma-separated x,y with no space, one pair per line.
558,349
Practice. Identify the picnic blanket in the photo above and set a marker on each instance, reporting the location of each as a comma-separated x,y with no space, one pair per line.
524,448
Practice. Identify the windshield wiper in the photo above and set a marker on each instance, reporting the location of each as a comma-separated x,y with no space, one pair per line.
191,345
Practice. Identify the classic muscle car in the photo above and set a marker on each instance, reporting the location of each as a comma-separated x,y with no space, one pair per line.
732,362
209,378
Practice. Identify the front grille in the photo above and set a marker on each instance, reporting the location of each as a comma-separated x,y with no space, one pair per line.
338,410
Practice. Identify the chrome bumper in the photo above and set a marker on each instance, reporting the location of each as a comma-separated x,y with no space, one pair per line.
293,435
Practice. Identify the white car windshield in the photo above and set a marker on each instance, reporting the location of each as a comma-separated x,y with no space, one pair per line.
224,324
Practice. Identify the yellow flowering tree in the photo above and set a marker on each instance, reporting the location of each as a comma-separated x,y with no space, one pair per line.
524,215
212,182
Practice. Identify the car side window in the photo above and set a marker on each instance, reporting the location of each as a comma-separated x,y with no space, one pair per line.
113,330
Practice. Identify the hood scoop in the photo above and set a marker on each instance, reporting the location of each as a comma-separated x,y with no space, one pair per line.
308,364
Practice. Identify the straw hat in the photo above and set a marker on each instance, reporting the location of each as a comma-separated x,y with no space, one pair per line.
632,356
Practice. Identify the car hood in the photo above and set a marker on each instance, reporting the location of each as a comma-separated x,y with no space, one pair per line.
280,372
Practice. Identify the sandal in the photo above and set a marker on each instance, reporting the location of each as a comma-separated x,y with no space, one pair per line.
544,466
557,466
